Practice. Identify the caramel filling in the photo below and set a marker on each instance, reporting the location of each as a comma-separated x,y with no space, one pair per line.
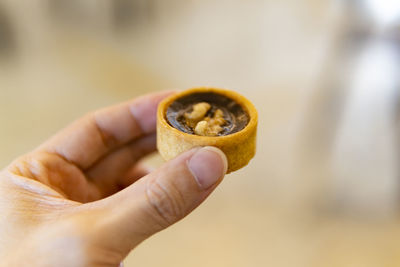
207,114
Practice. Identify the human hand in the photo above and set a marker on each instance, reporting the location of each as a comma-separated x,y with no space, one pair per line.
79,199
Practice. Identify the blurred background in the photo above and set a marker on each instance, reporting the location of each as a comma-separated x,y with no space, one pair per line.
324,188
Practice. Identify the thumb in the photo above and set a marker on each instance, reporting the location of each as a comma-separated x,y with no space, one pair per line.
161,198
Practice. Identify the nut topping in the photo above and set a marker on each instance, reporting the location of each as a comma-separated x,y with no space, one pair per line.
202,125
199,112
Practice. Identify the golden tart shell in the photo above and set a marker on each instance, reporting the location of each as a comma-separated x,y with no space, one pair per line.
239,147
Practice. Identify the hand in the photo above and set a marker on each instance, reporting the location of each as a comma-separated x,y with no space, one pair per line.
79,199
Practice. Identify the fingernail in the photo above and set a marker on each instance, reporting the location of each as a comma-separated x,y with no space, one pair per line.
208,165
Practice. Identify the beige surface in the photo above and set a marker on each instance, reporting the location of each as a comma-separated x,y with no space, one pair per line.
311,197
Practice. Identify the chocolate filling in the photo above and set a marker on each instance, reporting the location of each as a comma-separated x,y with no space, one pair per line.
236,118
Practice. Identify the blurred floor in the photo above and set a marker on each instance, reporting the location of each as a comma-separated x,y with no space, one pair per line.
323,188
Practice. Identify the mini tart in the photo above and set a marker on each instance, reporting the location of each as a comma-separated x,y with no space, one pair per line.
237,141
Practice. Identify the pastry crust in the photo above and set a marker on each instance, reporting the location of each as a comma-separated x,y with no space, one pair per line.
239,147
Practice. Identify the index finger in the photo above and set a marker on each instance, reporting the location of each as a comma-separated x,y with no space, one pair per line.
93,136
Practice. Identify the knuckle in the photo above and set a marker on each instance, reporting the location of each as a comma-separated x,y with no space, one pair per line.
107,138
165,201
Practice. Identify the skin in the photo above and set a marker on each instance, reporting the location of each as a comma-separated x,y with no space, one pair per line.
82,199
